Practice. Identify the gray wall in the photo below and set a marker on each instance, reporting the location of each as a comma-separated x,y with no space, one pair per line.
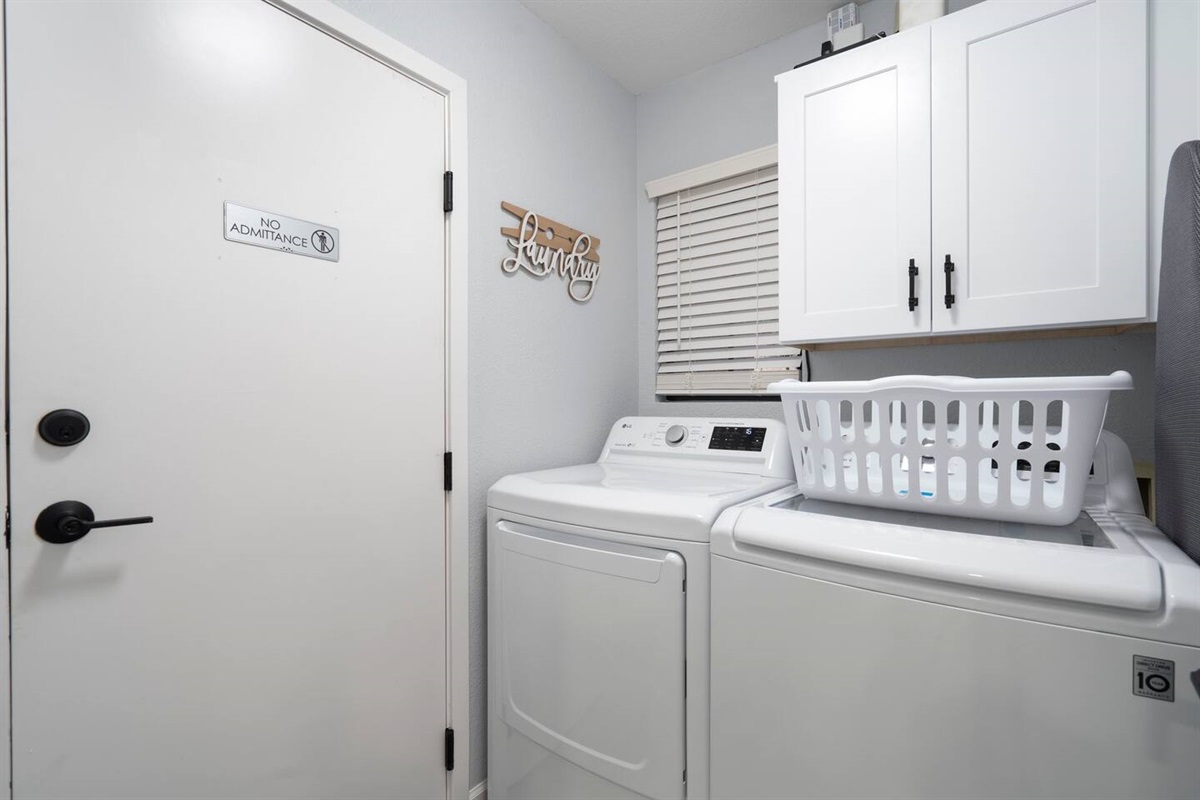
549,132
729,109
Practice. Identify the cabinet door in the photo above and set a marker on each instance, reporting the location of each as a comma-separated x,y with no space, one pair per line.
854,192
1039,163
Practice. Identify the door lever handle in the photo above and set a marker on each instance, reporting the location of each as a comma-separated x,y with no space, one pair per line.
69,521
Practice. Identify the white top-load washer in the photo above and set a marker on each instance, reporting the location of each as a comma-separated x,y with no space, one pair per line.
870,653
598,609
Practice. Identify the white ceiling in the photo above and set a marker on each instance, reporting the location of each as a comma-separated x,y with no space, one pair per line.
646,43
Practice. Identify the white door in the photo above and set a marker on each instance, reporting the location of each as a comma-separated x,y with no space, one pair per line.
1039,163
587,688
279,629
854,193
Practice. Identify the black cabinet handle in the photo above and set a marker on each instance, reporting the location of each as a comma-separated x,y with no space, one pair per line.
948,268
69,521
912,284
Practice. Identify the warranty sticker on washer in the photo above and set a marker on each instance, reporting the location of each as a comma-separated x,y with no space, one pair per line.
1154,677
277,232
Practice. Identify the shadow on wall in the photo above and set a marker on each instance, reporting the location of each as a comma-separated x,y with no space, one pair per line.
1130,414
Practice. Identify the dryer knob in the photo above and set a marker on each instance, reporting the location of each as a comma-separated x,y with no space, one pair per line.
676,434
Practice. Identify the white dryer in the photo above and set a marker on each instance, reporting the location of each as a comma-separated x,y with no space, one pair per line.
598,609
867,653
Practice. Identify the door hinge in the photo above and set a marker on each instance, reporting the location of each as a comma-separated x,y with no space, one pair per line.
447,191
449,749
447,471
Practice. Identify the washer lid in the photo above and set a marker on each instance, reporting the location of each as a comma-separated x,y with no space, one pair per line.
668,503
1081,563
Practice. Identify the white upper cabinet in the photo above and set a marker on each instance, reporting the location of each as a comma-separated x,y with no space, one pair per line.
854,147
1039,163
1010,136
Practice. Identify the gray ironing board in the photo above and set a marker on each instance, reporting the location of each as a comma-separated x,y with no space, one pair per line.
1177,359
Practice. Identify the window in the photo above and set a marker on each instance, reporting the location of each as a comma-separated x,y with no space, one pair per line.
718,279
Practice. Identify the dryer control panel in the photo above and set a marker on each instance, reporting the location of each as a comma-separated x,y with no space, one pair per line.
754,446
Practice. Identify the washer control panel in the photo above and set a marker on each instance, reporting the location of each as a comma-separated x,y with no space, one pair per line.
740,445
727,437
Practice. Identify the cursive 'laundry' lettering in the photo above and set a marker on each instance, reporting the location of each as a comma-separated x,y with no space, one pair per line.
541,259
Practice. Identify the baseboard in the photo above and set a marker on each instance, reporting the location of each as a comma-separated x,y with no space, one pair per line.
478,791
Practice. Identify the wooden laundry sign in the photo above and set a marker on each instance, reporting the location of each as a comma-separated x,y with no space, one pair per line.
542,246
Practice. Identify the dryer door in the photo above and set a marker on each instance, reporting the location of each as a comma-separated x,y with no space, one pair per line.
587,642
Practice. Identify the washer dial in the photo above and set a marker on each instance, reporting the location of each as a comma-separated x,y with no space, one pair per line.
676,435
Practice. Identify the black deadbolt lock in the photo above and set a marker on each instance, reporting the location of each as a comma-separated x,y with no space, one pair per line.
64,427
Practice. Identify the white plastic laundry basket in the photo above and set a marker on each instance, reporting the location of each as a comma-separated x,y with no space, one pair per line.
1002,448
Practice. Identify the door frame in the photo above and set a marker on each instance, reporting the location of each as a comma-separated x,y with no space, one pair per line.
324,16
5,590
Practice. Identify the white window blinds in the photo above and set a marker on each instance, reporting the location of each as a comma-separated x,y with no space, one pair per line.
718,286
